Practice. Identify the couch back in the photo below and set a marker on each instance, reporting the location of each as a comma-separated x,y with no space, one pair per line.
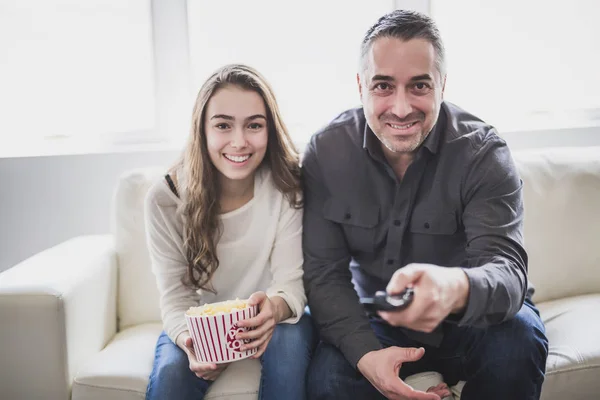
137,300
562,219
562,229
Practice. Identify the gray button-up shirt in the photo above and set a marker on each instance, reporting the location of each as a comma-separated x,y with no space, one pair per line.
459,204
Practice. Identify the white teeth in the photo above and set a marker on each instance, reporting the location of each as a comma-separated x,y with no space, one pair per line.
402,126
238,159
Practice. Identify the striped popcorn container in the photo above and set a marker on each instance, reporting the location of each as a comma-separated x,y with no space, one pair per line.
214,335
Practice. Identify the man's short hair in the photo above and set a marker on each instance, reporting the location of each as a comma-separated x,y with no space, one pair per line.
405,25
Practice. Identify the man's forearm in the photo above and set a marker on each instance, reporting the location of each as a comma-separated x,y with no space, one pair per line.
340,317
496,293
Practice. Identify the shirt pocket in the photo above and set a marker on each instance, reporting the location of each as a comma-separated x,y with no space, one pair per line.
434,223
358,222
434,238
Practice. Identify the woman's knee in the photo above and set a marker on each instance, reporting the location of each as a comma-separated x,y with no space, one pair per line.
171,376
294,338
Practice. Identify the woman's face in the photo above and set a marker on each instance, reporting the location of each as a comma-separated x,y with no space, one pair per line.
236,132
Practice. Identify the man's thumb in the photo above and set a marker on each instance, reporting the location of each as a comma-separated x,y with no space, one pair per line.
410,353
402,278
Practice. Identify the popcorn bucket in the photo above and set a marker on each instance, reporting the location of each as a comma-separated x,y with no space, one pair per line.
213,336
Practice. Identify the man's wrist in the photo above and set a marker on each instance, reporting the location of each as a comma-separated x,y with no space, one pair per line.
362,360
462,291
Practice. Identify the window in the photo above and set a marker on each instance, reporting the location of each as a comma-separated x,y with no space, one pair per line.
523,65
307,50
75,69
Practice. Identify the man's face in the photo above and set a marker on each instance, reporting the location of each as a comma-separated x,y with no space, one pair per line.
401,92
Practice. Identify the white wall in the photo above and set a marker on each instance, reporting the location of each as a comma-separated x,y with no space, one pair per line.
45,200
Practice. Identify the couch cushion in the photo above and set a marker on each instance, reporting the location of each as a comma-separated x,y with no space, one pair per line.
562,220
573,364
121,371
573,329
136,280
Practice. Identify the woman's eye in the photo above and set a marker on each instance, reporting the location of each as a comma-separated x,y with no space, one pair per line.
255,126
222,126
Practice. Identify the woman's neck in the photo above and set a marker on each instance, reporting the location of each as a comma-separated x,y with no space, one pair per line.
235,193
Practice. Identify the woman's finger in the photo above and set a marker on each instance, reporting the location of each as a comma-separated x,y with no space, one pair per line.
263,316
258,332
200,368
255,343
262,348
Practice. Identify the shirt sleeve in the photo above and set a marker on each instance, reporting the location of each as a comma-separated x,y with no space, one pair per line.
332,299
169,267
286,261
496,261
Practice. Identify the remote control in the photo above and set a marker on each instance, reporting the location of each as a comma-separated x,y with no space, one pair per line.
385,302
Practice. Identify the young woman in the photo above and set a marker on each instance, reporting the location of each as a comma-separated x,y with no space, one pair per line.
226,223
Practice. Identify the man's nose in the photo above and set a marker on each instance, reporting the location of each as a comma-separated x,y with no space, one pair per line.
401,107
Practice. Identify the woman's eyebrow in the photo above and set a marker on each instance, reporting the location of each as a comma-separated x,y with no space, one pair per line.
255,116
223,116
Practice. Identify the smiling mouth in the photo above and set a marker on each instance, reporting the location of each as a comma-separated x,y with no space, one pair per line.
237,159
402,127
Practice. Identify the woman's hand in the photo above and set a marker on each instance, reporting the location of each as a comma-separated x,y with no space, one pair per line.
271,312
207,371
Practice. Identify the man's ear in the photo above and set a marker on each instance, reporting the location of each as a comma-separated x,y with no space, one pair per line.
359,86
443,85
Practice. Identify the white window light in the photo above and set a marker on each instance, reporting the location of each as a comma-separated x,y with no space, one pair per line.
523,65
75,72
307,50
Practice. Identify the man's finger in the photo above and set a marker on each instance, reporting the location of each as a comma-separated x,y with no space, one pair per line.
404,277
401,390
410,354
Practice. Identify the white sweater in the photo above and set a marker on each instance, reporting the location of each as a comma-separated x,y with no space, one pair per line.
260,249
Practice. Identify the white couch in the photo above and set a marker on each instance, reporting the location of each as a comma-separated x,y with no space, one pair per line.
82,318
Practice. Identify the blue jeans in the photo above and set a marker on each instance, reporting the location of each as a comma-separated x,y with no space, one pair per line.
284,366
504,361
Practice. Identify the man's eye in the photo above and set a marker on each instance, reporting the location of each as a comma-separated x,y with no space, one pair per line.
422,86
383,86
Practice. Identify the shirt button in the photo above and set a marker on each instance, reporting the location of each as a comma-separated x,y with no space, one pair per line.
347,216
397,222
426,225
390,262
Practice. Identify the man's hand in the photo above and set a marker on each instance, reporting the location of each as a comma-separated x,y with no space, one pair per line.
381,368
207,371
438,291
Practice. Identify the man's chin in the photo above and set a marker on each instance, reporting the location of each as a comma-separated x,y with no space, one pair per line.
396,146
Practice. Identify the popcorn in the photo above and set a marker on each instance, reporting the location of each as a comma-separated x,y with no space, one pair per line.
221,308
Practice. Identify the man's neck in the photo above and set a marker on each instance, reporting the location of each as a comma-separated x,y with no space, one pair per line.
398,161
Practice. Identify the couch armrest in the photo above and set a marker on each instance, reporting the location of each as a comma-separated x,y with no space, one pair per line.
57,308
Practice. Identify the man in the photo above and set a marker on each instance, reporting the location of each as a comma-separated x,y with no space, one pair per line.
412,191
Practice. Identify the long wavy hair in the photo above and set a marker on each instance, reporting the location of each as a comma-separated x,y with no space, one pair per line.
202,228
